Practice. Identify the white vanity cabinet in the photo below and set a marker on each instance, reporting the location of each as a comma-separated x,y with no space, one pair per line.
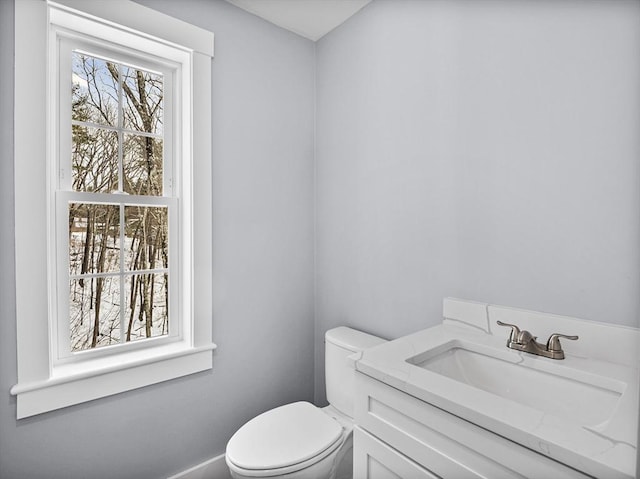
455,401
400,436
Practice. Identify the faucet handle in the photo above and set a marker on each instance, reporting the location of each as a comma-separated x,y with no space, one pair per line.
515,331
553,344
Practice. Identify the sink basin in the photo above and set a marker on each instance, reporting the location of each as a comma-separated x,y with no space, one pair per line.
540,384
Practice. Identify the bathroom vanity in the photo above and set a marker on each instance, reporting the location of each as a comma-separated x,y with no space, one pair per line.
453,401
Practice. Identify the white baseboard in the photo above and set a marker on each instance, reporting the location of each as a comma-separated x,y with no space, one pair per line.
214,468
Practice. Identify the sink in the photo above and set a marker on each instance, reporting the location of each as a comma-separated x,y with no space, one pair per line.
542,384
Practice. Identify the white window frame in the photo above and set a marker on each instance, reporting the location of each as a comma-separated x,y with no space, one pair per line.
174,66
47,381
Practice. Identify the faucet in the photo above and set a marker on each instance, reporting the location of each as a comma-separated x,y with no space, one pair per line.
525,341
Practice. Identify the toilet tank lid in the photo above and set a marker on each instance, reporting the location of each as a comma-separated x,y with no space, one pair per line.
283,436
352,339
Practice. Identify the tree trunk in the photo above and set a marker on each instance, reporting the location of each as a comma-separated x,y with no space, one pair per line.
100,280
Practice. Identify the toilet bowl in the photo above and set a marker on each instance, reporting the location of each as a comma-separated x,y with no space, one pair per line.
300,440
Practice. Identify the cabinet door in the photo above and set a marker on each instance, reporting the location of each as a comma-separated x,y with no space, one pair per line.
372,459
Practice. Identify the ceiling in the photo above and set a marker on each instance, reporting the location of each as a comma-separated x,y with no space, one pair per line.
309,18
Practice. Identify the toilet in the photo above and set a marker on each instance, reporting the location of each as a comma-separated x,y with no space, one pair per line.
300,440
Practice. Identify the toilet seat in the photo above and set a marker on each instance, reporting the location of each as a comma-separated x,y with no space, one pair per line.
284,440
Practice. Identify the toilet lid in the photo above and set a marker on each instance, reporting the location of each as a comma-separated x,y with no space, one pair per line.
282,437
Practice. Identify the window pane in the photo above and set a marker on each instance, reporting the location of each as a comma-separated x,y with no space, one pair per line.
147,306
94,238
142,164
94,90
143,100
146,237
94,159
94,305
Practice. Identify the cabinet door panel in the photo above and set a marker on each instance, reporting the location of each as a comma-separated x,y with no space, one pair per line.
372,459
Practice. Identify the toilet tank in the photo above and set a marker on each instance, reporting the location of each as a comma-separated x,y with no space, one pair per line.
340,343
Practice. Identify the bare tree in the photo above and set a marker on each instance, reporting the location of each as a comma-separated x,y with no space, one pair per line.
105,146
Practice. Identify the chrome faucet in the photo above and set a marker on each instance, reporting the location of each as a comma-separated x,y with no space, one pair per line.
525,341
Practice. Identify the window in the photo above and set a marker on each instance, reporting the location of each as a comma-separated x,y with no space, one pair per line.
116,212
113,252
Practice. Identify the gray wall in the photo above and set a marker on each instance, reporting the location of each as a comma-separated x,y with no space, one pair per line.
485,150
263,80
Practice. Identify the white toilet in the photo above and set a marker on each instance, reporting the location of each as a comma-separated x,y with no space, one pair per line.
300,440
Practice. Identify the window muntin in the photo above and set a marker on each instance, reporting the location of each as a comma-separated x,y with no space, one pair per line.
121,207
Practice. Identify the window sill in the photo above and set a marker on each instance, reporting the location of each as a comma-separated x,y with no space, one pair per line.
76,383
